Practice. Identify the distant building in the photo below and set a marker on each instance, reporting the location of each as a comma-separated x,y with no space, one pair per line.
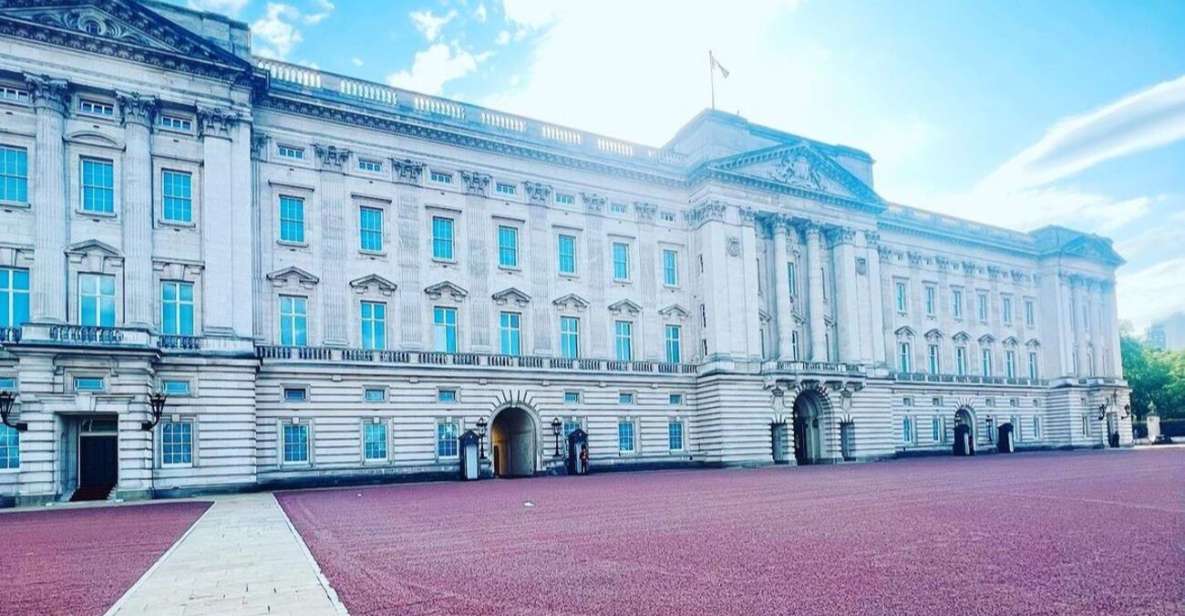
334,279
1168,334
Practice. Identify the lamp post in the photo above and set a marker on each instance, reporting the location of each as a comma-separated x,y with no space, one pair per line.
482,424
556,427
7,399
157,401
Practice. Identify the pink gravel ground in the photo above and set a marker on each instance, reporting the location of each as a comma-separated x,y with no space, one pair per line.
81,561
1039,533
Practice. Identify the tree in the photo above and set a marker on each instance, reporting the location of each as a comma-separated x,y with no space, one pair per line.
1154,376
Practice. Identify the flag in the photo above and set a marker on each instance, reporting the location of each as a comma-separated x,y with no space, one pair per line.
716,65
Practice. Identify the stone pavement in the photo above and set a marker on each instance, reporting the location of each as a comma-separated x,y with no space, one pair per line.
241,558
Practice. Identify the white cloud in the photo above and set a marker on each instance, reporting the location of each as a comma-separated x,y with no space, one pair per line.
503,37
356,61
323,9
434,67
276,30
230,8
1152,292
430,24
480,14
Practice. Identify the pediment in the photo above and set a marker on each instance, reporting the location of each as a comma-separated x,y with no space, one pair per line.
291,275
119,28
674,311
625,306
904,330
511,295
986,339
763,315
1011,341
94,247
373,281
934,334
1033,343
798,166
961,337
571,301
448,288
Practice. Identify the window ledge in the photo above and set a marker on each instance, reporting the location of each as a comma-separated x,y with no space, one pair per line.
24,205
373,253
569,276
444,261
82,212
292,244
509,268
179,224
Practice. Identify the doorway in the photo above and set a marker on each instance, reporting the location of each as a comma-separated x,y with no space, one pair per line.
98,458
964,444
512,439
808,436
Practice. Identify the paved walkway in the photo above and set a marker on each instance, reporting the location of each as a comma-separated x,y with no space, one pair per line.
241,558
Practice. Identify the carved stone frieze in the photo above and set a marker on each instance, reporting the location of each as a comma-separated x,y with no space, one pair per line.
476,183
407,171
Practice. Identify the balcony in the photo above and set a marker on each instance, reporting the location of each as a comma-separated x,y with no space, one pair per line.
482,360
818,367
968,379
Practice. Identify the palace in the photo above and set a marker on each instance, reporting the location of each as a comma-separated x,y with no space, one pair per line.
332,280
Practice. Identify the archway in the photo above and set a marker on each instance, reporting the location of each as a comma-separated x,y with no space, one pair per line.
964,444
512,443
808,434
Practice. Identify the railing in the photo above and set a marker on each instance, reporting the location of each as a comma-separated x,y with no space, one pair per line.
86,334
189,343
10,334
435,358
819,367
922,377
432,107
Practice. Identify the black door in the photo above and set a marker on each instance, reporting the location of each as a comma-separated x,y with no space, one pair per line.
800,452
98,467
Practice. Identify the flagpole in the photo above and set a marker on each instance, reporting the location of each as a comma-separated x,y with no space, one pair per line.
712,77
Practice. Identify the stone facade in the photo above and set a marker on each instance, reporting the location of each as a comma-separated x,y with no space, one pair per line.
333,278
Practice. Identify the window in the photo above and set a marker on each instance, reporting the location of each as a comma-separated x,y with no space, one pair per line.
14,174
374,325
1032,365
510,333
675,434
625,436
96,107
907,435
503,188
625,397
570,337
176,443
291,219
177,196
440,177
98,186
10,447
9,93
666,216
623,332
374,441
175,387
370,166
961,360
14,296
571,424
96,300
675,399
1036,427
446,395
571,397
444,321
567,254
1010,364
294,320
674,343
375,394
985,362
442,238
621,261
565,199
176,308
1086,425
823,278
287,151
446,439
931,300
89,383
176,123
1030,313
703,315
957,303
370,228
936,431
792,278
618,207
296,443
903,357
794,345
507,246
933,357
670,268
295,394
902,297
1006,309
981,306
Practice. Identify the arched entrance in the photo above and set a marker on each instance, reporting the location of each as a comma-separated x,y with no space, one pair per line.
808,434
512,443
964,444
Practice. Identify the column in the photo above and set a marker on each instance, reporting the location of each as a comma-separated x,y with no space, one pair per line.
876,294
135,209
814,257
477,230
217,219
847,325
785,320
1078,293
335,317
540,260
49,200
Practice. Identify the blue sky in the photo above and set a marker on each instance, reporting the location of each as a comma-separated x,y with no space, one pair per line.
1013,113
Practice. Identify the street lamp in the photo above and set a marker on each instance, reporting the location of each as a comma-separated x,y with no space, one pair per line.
7,399
556,427
482,424
157,401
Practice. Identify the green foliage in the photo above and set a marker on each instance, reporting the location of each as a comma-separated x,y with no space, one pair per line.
1154,376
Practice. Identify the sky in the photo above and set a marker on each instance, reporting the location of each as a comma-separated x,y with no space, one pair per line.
1018,114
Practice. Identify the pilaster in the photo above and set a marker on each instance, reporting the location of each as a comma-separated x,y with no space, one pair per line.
136,209
847,326
815,314
335,319
785,320
477,187
215,128
876,295
49,200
